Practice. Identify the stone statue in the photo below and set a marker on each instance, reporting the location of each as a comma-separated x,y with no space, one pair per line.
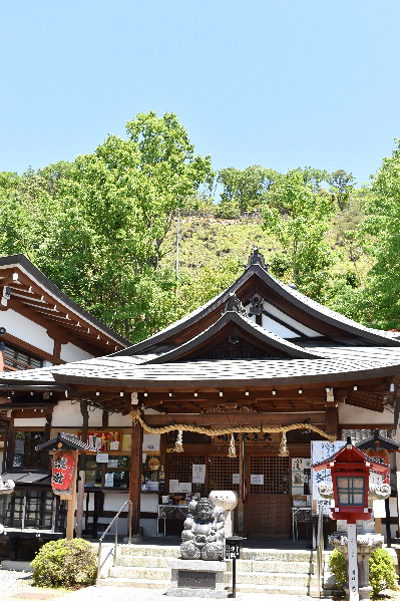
203,531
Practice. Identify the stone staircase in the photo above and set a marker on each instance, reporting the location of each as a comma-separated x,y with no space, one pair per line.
265,571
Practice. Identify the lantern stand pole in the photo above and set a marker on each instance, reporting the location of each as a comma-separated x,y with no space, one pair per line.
71,504
353,567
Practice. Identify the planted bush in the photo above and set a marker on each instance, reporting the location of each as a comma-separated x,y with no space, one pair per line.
382,572
66,563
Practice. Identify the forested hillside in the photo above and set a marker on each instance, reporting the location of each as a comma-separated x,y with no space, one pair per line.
104,229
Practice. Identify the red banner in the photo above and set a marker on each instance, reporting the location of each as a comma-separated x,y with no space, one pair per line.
62,476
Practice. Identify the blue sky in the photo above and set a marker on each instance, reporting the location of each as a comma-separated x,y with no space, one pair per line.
276,83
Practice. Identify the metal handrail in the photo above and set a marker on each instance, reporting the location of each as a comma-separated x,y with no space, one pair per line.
115,519
320,552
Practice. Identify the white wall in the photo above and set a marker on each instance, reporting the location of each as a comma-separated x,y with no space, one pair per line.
349,414
32,422
27,330
71,352
66,415
117,420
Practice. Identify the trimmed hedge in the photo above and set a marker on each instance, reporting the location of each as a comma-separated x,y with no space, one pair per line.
65,563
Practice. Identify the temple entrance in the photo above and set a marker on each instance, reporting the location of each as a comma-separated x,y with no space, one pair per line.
268,500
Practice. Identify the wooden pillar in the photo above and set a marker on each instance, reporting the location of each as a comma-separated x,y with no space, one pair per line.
71,504
47,431
332,420
135,475
10,444
81,468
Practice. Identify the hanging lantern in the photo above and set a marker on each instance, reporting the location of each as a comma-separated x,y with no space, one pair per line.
179,442
232,447
283,450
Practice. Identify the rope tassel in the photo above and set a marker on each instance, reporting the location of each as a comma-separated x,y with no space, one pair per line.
232,447
283,450
179,442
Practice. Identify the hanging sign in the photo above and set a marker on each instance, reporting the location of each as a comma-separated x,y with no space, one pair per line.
62,476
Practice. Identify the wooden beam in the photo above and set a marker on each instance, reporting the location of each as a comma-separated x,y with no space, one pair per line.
135,475
332,421
232,419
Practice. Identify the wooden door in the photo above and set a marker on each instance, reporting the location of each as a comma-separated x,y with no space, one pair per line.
268,504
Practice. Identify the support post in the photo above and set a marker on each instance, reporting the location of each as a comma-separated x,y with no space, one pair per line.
387,520
135,475
81,468
71,504
353,566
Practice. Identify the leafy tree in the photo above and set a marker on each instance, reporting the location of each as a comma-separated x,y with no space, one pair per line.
381,231
342,185
301,230
245,189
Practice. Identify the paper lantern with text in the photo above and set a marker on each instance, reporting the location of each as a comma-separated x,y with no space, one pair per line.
62,476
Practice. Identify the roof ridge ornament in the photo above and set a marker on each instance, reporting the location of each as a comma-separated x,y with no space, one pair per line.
235,304
257,258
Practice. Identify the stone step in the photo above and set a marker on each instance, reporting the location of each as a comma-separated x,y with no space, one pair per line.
140,573
245,578
278,555
266,590
158,584
150,550
297,567
280,579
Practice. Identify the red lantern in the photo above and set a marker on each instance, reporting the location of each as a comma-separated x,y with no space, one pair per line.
62,477
380,455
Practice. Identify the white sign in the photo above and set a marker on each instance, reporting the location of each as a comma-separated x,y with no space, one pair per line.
321,450
257,479
185,487
198,474
109,479
353,567
174,486
102,458
235,478
151,442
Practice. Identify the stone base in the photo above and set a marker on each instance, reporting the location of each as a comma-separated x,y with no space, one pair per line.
197,578
136,539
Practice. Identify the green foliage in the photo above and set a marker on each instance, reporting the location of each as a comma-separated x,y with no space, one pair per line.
244,189
65,563
337,565
382,572
299,217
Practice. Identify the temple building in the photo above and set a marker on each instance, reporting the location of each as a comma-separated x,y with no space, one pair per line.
229,397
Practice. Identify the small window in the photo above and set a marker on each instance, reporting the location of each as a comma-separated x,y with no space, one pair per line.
350,491
15,360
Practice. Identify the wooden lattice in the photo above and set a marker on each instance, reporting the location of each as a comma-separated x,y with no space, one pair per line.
268,505
220,473
276,475
179,467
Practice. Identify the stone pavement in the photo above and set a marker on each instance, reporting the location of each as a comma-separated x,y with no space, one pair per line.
127,593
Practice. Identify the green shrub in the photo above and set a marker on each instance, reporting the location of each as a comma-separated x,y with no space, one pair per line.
382,573
67,563
337,565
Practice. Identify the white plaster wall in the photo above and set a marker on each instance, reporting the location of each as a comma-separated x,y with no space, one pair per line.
71,352
151,442
149,527
33,422
95,418
290,321
66,414
27,330
116,420
348,414
276,328
114,501
149,503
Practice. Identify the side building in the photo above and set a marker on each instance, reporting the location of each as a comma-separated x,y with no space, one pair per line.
41,327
